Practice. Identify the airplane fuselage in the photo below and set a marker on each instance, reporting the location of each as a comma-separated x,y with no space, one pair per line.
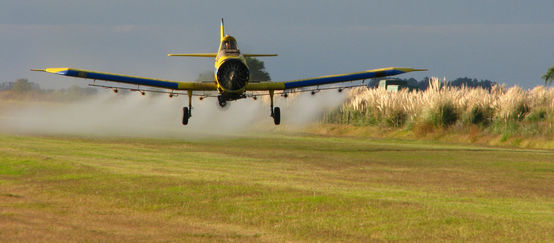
231,71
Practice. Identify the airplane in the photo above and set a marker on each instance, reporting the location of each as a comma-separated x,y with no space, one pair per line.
232,79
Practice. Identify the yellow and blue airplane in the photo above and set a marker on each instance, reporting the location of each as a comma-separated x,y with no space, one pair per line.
231,78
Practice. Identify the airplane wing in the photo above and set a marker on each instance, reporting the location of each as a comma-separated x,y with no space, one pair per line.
159,83
375,73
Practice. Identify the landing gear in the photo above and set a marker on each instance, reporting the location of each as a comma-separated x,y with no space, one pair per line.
223,99
277,115
186,115
275,112
187,111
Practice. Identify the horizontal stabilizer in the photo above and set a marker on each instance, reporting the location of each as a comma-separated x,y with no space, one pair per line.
259,55
194,55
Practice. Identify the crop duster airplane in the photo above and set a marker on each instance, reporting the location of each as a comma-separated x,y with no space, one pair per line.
231,79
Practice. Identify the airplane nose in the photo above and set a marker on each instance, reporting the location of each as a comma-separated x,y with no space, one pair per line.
233,75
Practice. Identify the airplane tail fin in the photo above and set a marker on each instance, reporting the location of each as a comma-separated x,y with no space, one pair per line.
222,30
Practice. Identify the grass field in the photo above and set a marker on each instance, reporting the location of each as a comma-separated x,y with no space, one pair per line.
272,187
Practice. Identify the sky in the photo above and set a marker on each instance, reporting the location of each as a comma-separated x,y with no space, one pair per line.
508,41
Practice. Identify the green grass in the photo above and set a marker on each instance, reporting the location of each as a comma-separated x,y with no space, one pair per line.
271,188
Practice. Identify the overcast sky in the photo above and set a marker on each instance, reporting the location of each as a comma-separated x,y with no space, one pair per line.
510,41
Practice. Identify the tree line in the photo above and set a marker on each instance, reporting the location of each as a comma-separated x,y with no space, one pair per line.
424,83
23,89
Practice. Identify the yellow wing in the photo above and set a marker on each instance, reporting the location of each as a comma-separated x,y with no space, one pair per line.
375,73
160,83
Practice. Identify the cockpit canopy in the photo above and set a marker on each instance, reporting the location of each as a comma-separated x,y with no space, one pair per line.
229,46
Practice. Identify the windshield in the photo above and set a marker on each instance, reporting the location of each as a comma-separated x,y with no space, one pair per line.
230,45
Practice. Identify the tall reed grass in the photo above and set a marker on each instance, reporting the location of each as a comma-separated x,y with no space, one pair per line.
502,110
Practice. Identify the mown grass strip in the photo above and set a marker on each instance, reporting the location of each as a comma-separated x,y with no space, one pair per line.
278,188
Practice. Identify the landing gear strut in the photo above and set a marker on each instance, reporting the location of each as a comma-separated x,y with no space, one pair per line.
275,112
187,110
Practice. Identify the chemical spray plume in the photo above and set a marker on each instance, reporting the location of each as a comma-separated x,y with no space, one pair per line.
134,115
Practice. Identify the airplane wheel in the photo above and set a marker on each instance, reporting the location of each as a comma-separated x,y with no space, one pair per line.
277,115
186,115
222,102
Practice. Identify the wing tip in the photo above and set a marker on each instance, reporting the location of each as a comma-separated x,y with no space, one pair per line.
52,70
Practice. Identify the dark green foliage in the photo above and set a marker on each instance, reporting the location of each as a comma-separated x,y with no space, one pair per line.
396,119
444,115
519,112
471,83
476,115
257,70
536,115
480,115
548,76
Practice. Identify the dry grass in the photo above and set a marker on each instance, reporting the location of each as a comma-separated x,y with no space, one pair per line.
511,111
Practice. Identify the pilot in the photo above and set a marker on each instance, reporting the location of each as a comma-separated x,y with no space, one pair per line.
227,45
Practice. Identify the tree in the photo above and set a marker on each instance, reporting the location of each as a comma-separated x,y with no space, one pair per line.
548,76
22,85
257,70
